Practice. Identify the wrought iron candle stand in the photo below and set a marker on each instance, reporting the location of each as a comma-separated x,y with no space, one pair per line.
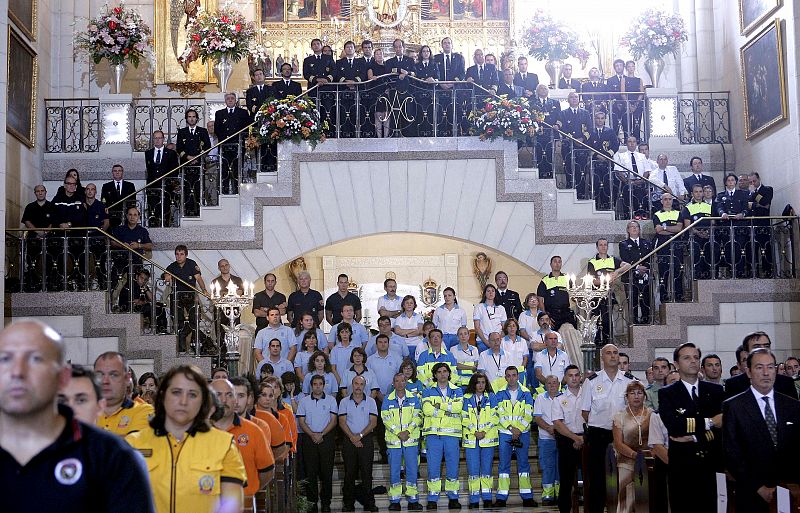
231,304
587,298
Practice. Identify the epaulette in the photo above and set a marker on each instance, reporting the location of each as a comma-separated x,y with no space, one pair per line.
592,375
630,376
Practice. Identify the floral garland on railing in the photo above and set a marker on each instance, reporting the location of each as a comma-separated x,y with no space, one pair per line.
548,38
654,34
223,33
511,119
118,34
292,119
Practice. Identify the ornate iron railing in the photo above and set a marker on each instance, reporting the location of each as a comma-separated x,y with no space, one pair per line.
72,125
704,117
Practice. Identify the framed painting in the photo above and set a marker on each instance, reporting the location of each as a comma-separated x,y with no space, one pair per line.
753,12
467,10
436,9
21,100
302,10
23,14
763,81
272,11
496,10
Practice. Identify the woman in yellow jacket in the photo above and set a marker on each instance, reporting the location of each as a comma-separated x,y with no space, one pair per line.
193,468
480,438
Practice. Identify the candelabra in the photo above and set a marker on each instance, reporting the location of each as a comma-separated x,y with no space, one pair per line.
587,298
231,304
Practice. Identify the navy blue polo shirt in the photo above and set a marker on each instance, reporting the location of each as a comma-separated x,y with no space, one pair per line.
84,470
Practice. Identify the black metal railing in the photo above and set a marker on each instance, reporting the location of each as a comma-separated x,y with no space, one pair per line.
704,117
165,114
72,125
711,248
88,259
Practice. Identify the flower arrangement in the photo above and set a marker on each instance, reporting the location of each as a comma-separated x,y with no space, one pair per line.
292,119
655,34
511,119
223,33
118,34
549,39
427,315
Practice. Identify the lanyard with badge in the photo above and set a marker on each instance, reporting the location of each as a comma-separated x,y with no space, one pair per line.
497,362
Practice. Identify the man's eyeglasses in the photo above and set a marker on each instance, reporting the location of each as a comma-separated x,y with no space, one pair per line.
70,183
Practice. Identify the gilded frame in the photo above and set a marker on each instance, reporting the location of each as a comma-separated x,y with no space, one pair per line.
748,25
167,46
757,57
23,78
23,13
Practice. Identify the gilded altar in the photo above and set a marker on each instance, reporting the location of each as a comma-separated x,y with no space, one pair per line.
172,18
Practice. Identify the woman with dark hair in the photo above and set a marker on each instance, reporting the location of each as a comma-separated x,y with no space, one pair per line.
488,317
308,324
480,437
292,389
192,467
148,385
409,324
307,348
359,368
449,317
340,354
320,365
409,370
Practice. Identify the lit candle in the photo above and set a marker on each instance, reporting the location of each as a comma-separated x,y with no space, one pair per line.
231,288
587,281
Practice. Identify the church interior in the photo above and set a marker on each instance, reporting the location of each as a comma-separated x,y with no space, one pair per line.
402,182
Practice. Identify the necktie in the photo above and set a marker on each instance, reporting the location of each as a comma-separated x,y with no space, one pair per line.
598,132
523,76
574,111
633,163
446,64
230,111
158,156
350,62
319,57
119,188
772,425
259,89
694,394
480,72
191,131
698,178
287,82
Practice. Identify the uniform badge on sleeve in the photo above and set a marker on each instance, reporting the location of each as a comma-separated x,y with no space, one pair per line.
243,440
206,484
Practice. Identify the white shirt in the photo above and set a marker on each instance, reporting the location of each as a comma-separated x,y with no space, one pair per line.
603,397
390,304
518,346
493,365
624,158
673,179
468,355
762,405
491,318
409,323
658,434
528,322
449,320
567,408
543,407
551,365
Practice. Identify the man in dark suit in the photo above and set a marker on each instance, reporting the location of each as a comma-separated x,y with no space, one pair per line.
507,87
691,410
349,71
761,430
543,145
404,66
159,160
697,176
635,102
286,86
192,141
507,298
733,234
759,205
481,73
113,191
258,93
524,79
637,281
566,81
228,121
592,92
576,122
318,67
451,69
366,56
739,383
618,100
605,141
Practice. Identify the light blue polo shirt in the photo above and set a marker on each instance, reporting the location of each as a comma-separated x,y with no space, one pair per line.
397,345
283,333
360,335
317,412
384,369
331,384
340,356
357,414
279,367
322,340
347,380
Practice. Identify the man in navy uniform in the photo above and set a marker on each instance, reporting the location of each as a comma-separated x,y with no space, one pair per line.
113,191
697,176
507,87
595,86
483,74
192,141
732,205
576,122
507,298
691,410
258,93
543,147
635,101
286,86
618,100
759,204
349,71
404,66
637,281
605,141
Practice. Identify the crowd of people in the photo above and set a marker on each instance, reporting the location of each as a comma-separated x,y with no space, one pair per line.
418,393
